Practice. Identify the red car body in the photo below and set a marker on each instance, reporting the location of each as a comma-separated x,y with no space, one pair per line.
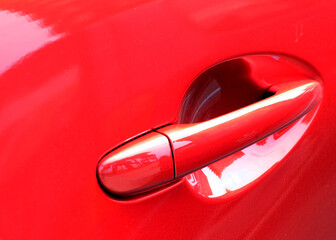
79,78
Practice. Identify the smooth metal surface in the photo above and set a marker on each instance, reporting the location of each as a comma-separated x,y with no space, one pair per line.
146,162
196,145
79,76
241,171
138,165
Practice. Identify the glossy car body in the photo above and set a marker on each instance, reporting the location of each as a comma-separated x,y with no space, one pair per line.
79,78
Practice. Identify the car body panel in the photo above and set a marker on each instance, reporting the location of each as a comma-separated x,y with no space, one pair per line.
80,77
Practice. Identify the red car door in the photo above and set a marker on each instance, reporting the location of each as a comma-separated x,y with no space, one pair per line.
80,78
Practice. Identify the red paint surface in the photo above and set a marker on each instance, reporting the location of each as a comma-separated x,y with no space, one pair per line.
242,170
78,78
196,145
138,165
147,162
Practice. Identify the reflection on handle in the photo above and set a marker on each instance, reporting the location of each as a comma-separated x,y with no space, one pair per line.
196,145
244,169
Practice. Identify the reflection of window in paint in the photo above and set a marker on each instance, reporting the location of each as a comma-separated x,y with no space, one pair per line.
246,166
23,36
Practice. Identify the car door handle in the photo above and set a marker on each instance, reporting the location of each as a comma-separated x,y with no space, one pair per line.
196,145
174,151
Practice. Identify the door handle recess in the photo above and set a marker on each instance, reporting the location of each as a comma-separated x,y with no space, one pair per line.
173,151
